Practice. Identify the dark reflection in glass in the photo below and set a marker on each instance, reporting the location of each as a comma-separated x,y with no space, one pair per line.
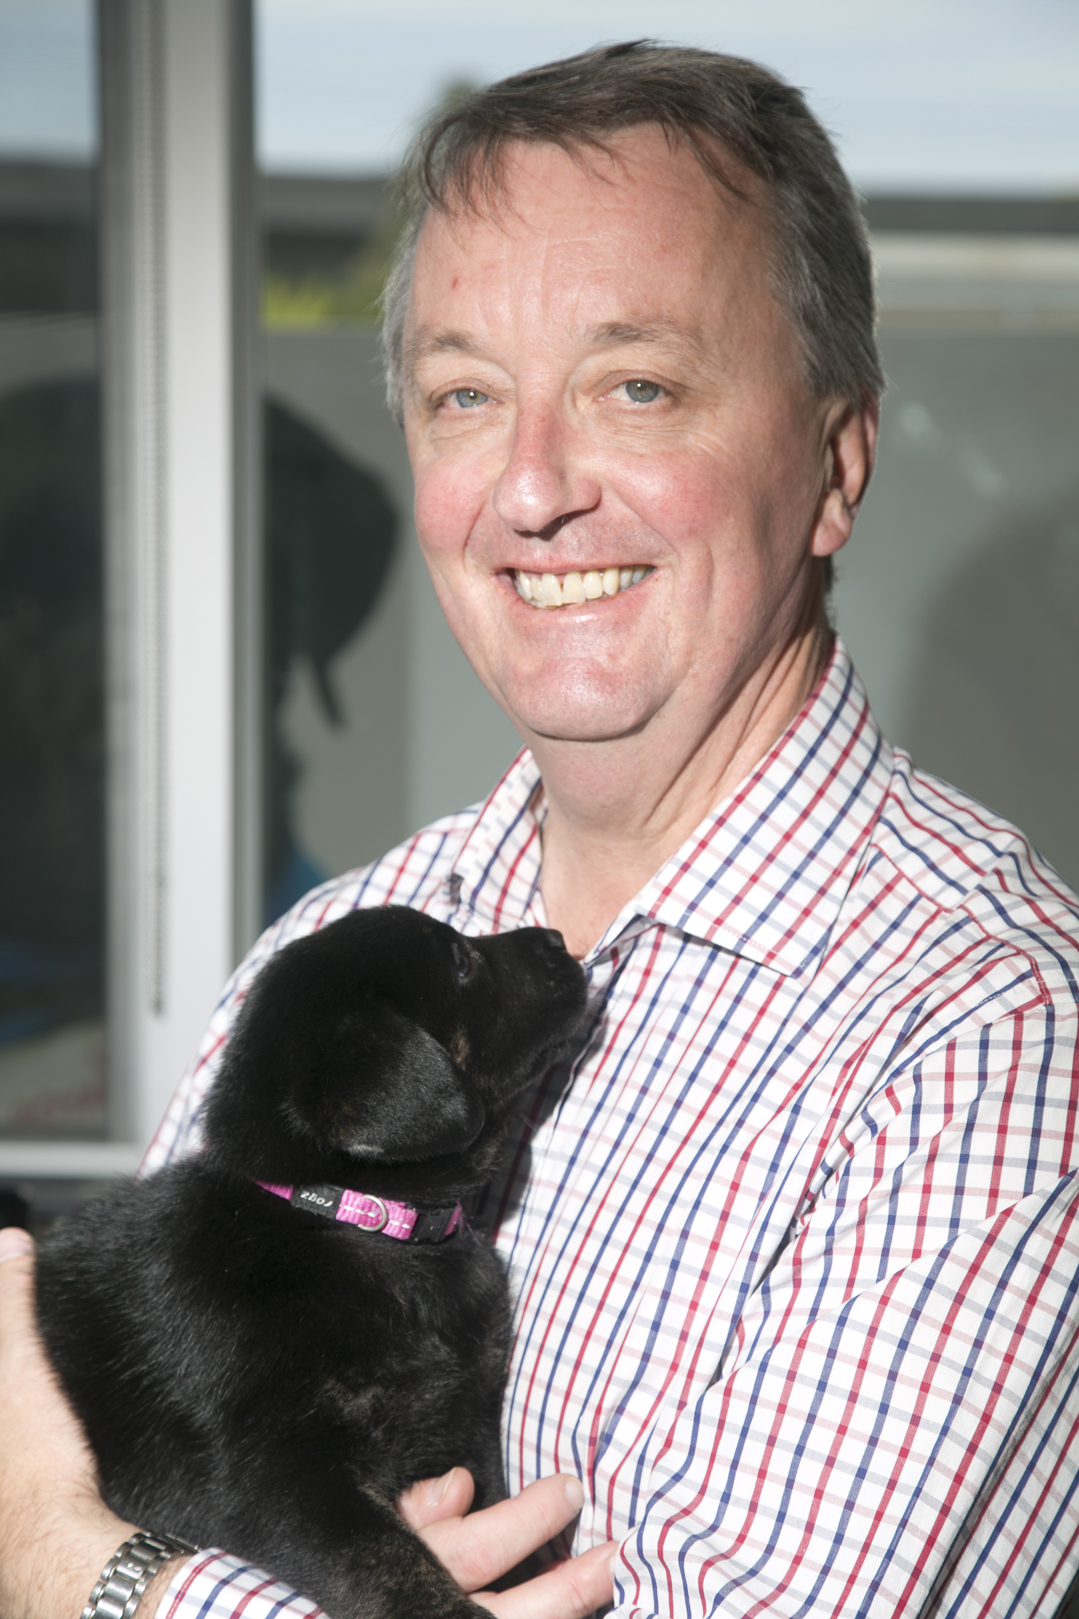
331,532
52,754
330,539
48,239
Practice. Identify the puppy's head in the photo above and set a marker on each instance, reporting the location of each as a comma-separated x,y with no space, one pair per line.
387,1041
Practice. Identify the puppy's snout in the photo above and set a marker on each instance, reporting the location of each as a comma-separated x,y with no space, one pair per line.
553,936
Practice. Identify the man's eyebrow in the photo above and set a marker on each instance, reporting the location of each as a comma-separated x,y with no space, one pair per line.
427,341
613,332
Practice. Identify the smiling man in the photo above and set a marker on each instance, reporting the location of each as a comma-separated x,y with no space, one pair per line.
624,489
793,1236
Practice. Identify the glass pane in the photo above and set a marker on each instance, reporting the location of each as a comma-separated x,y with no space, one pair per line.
959,594
52,754
334,503
375,723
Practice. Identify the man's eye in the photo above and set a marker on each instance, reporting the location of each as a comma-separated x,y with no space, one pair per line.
639,392
466,398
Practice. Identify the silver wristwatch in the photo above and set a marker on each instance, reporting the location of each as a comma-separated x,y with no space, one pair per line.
129,1571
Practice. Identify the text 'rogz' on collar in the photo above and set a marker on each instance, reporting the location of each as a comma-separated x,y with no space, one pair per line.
376,1214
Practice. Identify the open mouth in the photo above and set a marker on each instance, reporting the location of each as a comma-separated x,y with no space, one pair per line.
571,589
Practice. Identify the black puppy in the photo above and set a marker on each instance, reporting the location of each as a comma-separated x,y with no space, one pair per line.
268,1343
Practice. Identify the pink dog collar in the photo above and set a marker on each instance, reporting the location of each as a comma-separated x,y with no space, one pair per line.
372,1213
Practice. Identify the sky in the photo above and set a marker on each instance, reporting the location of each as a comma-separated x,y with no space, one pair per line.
47,104
970,95
931,94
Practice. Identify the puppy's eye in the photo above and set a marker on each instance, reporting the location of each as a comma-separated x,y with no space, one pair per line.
468,962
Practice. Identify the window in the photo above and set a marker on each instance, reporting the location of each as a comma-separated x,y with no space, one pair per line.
128,599
375,724
53,885
959,594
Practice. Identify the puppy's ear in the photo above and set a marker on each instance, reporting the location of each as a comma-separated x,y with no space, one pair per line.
390,1092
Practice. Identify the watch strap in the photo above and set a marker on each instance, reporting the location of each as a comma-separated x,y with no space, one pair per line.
129,1571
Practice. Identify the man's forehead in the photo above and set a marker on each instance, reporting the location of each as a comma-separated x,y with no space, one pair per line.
648,152
620,251
536,188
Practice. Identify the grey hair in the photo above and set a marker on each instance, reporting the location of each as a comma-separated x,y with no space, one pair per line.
822,272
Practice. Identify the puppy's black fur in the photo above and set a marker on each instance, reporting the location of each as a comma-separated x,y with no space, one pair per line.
259,1378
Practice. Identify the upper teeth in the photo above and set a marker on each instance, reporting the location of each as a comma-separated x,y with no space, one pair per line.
555,590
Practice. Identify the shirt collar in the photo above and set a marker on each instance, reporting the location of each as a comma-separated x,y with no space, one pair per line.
764,875
496,871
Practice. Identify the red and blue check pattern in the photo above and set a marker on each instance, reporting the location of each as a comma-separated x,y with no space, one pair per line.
795,1238
215,1586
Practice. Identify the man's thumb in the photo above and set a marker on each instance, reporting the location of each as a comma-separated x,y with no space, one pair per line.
14,1243
16,1281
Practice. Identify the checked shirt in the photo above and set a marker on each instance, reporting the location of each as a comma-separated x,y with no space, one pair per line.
794,1239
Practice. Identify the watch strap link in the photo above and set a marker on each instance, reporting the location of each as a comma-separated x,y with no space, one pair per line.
129,1571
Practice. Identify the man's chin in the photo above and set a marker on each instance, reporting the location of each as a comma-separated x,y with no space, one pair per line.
586,705
566,726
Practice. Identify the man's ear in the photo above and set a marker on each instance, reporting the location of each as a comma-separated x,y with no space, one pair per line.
850,450
389,1092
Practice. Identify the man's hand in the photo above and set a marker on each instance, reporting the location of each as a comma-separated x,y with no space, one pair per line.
56,1533
482,1547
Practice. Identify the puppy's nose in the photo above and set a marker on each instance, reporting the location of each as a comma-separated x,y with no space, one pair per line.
553,935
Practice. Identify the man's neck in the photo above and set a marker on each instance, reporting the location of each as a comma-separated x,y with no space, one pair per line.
617,810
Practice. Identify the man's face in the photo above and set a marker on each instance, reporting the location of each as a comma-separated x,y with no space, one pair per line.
599,379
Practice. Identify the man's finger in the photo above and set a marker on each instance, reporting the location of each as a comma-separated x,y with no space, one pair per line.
16,1265
480,1548
18,1322
55,1530
433,1499
568,1590
14,1241
35,1418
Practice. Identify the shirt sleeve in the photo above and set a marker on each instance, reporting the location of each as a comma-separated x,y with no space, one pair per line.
920,1321
214,1585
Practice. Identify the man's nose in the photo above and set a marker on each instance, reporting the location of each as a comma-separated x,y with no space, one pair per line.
544,482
